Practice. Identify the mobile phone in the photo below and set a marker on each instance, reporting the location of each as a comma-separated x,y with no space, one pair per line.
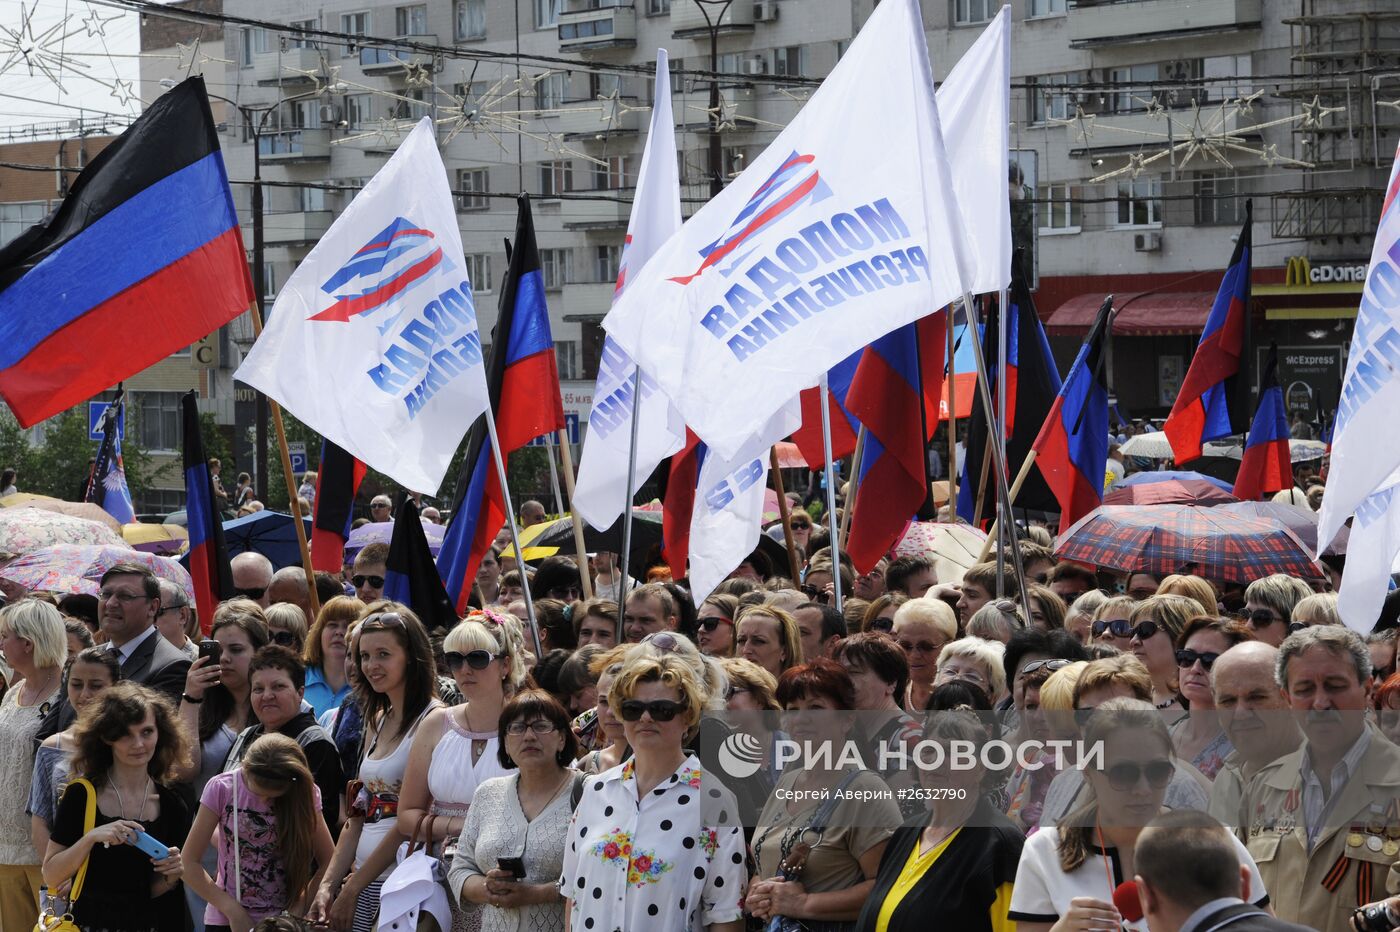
149,846
516,866
212,649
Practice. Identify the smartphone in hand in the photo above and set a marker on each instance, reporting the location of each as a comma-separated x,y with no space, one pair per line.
514,866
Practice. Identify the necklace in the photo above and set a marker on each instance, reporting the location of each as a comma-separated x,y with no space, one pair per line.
121,803
34,695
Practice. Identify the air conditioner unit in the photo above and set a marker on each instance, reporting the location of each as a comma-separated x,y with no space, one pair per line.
330,114
1147,242
765,11
756,65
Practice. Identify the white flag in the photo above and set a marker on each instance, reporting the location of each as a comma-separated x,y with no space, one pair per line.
373,341
600,492
974,104
842,230
1372,550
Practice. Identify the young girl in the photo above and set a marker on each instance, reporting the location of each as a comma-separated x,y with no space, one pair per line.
270,808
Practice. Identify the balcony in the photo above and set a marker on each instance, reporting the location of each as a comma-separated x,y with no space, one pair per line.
295,145
287,67
587,298
611,27
1095,23
376,137
291,229
600,214
588,118
389,60
688,19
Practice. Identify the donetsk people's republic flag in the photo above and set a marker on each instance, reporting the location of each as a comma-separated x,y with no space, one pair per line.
143,257
208,556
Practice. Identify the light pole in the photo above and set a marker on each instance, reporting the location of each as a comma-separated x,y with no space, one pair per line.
712,21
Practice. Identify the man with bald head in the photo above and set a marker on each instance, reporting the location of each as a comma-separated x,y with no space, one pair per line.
252,575
531,513
1255,717
289,585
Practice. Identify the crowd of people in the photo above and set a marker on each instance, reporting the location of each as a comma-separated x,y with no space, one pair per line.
1232,758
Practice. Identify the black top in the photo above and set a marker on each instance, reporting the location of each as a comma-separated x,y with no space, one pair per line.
116,891
960,887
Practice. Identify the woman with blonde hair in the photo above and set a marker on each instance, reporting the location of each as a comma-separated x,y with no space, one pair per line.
611,743
1320,608
769,637
1111,625
976,660
1157,621
327,680
286,626
998,620
1193,587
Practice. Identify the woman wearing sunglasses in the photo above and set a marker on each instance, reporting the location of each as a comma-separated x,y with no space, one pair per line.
879,614
715,625
456,750
1157,622
1111,625
657,836
1067,875
1198,737
286,626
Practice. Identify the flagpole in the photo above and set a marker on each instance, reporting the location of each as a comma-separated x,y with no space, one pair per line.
952,382
624,558
553,475
1015,490
1000,421
854,485
831,490
784,513
583,574
928,508
490,417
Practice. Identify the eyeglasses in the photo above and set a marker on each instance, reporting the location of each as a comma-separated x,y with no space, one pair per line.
1035,665
1186,659
172,608
1260,617
565,593
540,726
1126,776
801,526
882,624
660,710
923,647
254,593
1120,628
375,582
383,620
126,598
713,622
1295,626
283,638
476,659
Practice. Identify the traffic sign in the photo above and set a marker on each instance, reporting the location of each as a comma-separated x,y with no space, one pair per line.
296,449
95,411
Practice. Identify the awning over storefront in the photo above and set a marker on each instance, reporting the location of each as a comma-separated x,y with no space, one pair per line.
1162,313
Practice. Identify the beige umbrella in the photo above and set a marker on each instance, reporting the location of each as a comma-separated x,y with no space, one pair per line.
954,547
88,511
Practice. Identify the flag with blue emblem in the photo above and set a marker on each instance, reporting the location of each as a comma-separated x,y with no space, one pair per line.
108,484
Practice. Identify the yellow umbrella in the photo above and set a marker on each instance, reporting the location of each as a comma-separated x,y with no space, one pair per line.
157,538
20,498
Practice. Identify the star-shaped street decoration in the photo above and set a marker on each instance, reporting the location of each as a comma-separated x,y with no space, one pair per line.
384,128
1245,105
1137,162
189,55
122,91
1314,112
418,74
1082,122
1154,109
96,25
42,51
1270,155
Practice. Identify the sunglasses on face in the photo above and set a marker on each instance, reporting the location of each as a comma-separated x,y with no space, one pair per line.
1260,617
253,593
1124,629
1158,774
375,582
540,726
923,647
382,620
1295,626
801,526
565,593
882,624
713,622
476,659
283,638
1046,665
660,710
815,594
1186,659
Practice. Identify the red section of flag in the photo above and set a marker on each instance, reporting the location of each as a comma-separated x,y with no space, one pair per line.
1264,468
808,437
530,405
1071,487
680,505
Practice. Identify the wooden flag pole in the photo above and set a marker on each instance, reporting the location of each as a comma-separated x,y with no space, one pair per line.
981,489
585,577
1015,489
852,486
784,513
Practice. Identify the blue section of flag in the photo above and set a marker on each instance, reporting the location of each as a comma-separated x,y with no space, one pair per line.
199,510
529,328
1270,420
62,288
108,487
455,553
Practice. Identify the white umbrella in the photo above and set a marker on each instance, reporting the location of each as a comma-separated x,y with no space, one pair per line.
1153,445
1299,451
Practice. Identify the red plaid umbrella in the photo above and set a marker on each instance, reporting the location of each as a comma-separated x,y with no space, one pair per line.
1163,539
1171,492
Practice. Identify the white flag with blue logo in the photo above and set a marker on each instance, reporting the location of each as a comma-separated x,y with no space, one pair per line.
373,341
600,492
844,229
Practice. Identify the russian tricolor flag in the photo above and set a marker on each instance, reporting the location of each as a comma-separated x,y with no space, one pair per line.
1202,412
208,556
1072,447
1267,465
142,258
523,380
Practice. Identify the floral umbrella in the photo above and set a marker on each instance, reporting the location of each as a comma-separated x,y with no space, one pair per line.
67,568
25,530
88,511
954,547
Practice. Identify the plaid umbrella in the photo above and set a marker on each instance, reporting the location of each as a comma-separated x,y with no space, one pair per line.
1171,492
1301,521
1163,539
1166,475
65,568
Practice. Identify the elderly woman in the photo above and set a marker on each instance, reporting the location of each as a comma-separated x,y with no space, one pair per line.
521,817
1268,605
956,867
921,629
1080,616
998,620
327,683
1199,737
35,645
845,838
769,637
1157,622
286,626
977,661
657,836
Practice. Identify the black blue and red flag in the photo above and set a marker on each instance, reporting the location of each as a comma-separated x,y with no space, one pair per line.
107,485
1210,402
208,555
897,373
1072,446
1267,464
143,257
522,378
678,504
410,575
337,482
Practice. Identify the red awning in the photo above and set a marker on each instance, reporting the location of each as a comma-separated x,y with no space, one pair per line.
1162,313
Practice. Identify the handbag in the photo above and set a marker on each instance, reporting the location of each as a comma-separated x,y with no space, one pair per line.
792,865
49,920
416,890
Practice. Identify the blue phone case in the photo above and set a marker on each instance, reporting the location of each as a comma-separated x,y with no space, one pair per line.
150,846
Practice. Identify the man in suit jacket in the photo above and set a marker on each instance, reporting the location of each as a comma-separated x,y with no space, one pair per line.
1189,878
127,609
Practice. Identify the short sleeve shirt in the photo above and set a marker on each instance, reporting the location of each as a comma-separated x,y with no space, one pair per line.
671,860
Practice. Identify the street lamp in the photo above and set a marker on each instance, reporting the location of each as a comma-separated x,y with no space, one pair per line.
713,11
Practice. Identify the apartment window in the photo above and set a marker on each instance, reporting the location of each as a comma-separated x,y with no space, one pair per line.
1140,202
472,183
566,358
556,178
411,20
312,199
1044,7
1140,98
613,175
1217,201
1048,96
546,14
355,24
479,272
19,216
269,283
305,42
160,419
556,267
252,41
305,114
1060,208
789,60
607,261
414,108
966,12
551,91
470,19
604,85
658,7
357,111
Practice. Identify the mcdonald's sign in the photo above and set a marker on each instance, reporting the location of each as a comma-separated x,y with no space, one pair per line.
1295,273
1301,273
